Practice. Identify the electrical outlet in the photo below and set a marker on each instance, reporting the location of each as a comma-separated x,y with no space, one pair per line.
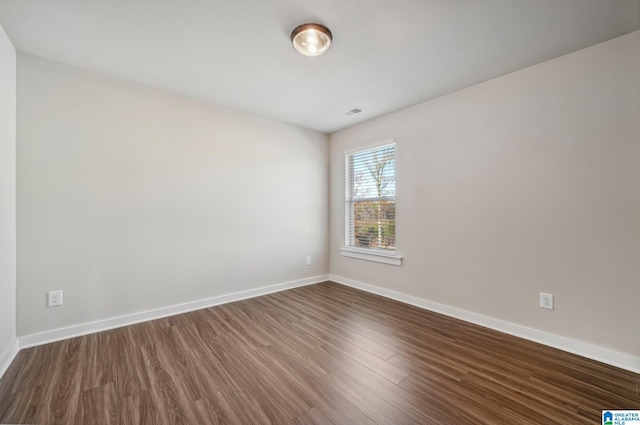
546,301
54,298
308,260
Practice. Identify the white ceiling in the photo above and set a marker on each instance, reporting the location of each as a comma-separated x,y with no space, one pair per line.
386,54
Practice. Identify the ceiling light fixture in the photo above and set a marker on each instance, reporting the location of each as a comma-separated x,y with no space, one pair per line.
311,39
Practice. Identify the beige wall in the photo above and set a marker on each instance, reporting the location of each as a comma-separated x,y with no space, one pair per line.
524,184
130,198
7,199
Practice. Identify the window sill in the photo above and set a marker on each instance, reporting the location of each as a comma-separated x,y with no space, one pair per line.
377,257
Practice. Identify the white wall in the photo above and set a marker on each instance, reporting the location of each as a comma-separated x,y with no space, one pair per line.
131,198
524,184
8,345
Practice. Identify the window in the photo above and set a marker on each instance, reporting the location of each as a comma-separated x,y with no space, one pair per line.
371,202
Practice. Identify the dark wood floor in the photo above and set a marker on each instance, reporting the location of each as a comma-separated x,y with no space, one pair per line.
321,354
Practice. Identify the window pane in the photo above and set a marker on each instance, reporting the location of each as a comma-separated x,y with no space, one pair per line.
373,173
371,198
374,224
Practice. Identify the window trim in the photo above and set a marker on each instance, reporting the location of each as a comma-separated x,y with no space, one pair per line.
372,255
369,254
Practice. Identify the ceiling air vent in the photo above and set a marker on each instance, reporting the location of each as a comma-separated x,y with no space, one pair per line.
352,112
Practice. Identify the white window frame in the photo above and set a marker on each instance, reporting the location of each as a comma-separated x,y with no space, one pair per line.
369,254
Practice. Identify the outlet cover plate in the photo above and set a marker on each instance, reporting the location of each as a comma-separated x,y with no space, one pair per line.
54,298
546,301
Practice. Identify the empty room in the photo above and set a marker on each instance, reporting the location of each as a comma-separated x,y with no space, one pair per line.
335,212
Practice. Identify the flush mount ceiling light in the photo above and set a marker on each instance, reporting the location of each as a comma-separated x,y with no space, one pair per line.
311,39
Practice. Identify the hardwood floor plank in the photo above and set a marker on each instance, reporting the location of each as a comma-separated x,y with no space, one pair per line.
33,367
99,359
123,362
284,379
51,377
328,343
301,349
430,362
450,406
256,373
312,417
411,404
22,365
340,331
168,390
323,354
98,405
334,407
210,412
254,336
138,409
374,406
66,392
21,407
526,404
237,379
243,410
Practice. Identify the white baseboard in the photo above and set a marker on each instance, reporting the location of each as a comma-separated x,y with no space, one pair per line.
130,319
7,356
594,352
614,358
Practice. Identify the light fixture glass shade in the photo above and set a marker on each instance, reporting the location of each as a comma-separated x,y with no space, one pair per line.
311,39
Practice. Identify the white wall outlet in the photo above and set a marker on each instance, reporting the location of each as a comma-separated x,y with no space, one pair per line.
546,301
54,298
308,260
